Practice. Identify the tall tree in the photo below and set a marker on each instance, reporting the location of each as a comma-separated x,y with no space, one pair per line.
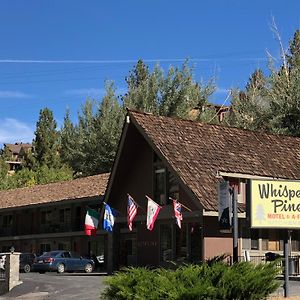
108,125
251,107
46,142
69,142
143,88
172,95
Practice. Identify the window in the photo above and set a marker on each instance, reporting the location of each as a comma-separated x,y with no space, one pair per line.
7,221
65,215
44,248
160,185
254,239
165,183
272,240
295,241
46,217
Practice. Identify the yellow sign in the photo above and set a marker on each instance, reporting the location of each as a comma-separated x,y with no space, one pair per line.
275,204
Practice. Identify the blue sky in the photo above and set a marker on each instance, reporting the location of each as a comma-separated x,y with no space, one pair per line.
57,53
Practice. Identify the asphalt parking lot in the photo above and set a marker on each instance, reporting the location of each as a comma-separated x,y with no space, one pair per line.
58,286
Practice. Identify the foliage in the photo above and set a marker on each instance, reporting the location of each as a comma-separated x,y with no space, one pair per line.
272,103
173,95
46,142
215,281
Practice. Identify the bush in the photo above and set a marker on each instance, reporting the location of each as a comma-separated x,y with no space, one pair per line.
192,282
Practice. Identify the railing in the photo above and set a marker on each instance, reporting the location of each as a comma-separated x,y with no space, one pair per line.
294,262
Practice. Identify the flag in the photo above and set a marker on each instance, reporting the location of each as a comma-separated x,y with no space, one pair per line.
91,221
177,212
108,219
152,213
131,211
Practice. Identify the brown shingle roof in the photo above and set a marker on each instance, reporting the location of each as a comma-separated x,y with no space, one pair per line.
197,151
40,194
16,148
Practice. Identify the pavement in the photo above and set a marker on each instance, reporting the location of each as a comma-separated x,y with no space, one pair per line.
52,286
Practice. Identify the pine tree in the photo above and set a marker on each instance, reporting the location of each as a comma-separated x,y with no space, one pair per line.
251,108
143,88
108,125
46,142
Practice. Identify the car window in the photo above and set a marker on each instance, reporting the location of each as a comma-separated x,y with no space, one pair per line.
75,255
52,253
66,255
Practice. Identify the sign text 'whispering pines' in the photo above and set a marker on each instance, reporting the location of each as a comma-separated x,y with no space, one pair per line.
275,204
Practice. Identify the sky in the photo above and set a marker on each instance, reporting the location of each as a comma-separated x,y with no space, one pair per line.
58,53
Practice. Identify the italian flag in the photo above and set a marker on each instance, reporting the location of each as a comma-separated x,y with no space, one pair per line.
91,222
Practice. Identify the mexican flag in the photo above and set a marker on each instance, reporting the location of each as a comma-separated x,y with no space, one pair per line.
91,222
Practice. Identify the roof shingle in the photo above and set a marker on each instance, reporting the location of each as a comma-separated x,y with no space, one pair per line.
91,186
197,151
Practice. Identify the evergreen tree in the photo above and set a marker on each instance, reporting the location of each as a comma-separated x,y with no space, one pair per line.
108,125
46,142
69,142
143,88
251,107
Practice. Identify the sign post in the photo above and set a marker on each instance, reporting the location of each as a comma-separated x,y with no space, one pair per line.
286,264
235,225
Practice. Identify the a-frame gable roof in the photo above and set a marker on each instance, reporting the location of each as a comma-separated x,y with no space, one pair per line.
198,151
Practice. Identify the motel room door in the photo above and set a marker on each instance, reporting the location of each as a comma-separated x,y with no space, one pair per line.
127,250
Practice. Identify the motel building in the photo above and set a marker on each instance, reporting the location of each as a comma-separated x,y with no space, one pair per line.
51,217
165,158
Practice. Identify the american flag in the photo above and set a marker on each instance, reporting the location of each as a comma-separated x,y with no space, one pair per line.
131,211
177,212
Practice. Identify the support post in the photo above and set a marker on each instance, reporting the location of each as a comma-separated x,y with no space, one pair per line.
235,225
286,264
110,253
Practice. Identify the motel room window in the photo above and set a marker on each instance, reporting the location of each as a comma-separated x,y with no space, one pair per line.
7,221
65,215
254,236
44,248
272,240
295,240
46,217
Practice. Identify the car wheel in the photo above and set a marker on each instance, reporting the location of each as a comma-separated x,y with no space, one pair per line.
88,268
61,268
27,268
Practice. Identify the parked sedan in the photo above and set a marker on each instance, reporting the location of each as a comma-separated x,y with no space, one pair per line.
62,261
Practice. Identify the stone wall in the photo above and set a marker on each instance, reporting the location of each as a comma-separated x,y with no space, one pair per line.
11,275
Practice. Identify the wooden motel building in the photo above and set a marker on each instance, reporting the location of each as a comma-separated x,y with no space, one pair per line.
162,158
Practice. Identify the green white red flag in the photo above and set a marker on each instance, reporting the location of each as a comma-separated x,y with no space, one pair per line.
91,222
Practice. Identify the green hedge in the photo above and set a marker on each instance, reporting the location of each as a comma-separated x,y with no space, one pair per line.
206,281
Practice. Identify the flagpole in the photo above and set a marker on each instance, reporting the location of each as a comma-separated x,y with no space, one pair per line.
153,200
136,203
114,209
181,204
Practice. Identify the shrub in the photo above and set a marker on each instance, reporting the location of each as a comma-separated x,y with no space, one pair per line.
215,280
